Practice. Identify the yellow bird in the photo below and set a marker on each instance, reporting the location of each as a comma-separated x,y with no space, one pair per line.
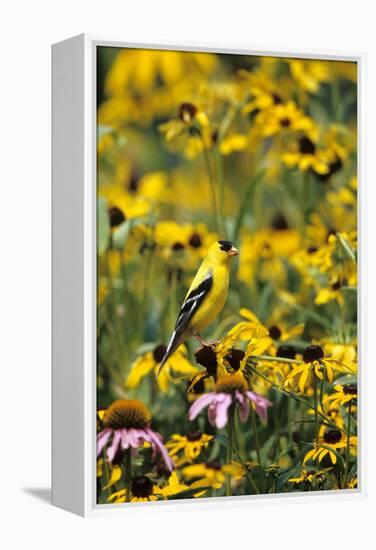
205,298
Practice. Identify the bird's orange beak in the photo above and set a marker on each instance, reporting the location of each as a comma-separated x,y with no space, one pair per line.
233,251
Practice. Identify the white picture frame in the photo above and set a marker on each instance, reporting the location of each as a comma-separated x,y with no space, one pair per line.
74,276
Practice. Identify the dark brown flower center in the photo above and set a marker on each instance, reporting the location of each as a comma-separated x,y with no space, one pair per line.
177,246
334,167
133,183
279,222
312,353
126,413
286,351
213,465
306,146
198,387
207,357
195,240
336,285
116,215
275,332
187,111
331,232
332,436
235,357
194,436
285,122
312,249
142,487
158,353
214,136
350,389
276,99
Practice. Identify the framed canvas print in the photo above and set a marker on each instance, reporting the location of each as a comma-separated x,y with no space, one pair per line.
205,275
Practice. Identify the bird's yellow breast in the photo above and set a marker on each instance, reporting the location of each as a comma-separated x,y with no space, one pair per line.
213,302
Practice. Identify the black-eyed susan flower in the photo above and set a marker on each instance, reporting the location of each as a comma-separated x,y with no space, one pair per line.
331,292
310,476
284,117
222,357
305,155
209,474
315,364
123,205
189,446
309,74
212,474
262,91
190,132
230,390
342,395
332,440
174,486
126,426
142,490
177,365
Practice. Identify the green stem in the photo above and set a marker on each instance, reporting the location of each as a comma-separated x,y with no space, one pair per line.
293,396
316,405
247,473
347,447
128,474
278,359
221,183
257,443
245,201
254,426
217,219
230,435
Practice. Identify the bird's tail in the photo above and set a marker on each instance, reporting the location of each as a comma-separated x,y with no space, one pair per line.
172,346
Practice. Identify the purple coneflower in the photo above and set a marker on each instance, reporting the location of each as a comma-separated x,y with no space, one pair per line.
230,390
126,426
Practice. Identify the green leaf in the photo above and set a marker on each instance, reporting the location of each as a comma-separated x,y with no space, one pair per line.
245,203
122,232
347,379
312,315
103,229
346,247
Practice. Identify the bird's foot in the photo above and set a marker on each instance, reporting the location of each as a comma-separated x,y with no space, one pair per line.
211,345
201,340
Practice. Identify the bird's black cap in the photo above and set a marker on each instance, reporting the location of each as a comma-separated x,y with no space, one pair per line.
226,245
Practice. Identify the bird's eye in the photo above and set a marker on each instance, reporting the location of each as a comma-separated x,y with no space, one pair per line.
225,245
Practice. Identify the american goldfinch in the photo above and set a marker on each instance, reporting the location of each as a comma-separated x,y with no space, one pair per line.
205,298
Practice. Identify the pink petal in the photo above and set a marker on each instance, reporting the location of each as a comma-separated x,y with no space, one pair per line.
156,442
102,439
124,438
133,438
261,404
200,404
243,406
111,451
221,410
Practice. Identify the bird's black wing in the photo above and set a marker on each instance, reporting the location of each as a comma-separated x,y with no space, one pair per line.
188,309
193,302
